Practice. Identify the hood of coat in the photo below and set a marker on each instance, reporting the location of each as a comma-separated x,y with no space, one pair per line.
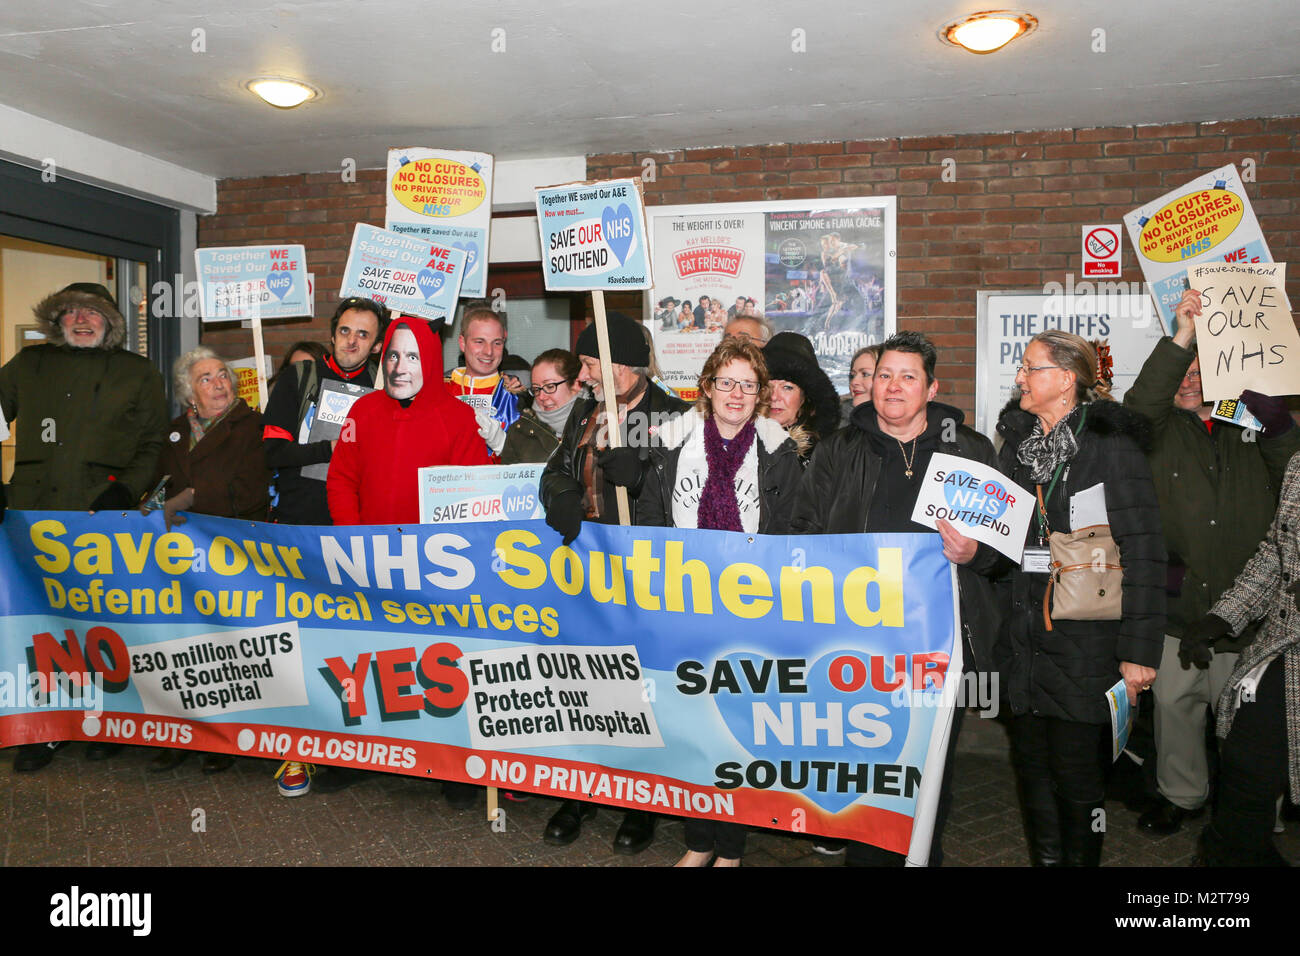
433,391
50,308
676,431
939,417
1103,418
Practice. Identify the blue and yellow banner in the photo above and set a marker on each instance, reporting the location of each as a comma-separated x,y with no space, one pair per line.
784,682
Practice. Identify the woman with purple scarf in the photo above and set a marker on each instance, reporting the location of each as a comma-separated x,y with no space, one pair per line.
724,466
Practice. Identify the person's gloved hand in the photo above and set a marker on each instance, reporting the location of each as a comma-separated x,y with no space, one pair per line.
116,497
1271,412
622,466
491,431
1194,646
565,515
181,501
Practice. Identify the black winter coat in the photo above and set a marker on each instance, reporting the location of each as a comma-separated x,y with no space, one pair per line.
835,498
779,473
563,473
1066,672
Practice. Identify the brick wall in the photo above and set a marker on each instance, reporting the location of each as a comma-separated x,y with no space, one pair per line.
1011,218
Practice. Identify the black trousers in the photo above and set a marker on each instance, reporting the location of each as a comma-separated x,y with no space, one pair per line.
1066,752
1252,774
727,840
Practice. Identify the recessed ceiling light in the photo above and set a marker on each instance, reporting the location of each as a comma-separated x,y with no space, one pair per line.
987,31
282,92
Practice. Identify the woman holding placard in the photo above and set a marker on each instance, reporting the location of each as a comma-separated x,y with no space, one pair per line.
1088,601
723,466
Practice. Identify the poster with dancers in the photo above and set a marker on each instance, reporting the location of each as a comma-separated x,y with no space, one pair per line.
822,268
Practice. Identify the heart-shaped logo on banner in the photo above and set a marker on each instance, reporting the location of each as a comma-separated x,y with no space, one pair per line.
616,227
429,281
279,283
878,720
518,502
471,254
962,491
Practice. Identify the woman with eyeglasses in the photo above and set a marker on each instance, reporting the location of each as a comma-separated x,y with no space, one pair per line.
1083,456
555,388
723,466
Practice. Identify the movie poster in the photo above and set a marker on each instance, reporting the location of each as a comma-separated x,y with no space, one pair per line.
822,268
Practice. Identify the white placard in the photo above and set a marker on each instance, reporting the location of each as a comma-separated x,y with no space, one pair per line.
978,501
221,673
553,696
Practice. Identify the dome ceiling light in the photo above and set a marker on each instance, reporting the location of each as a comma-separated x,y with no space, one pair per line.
988,31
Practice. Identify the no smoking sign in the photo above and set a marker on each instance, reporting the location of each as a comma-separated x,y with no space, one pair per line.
1101,251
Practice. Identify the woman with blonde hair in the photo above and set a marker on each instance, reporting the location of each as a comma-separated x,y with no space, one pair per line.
1083,456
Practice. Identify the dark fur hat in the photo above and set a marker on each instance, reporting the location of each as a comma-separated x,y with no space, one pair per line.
81,295
790,358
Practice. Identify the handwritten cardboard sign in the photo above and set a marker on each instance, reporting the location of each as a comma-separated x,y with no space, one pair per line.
978,501
1245,336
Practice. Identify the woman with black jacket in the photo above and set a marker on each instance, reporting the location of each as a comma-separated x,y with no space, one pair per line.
1064,435
723,466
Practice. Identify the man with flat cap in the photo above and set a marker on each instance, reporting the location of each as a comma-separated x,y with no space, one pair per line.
579,485
91,421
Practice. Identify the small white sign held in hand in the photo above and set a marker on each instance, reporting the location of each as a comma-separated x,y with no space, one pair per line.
978,501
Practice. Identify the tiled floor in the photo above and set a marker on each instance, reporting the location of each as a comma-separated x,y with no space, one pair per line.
116,813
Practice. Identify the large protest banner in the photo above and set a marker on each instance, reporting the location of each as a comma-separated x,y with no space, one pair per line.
443,196
1209,219
823,268
776,681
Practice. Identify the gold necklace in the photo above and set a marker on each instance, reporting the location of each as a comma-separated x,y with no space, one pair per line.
906,461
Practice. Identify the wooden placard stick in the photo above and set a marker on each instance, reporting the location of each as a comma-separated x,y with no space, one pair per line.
259,357
611,398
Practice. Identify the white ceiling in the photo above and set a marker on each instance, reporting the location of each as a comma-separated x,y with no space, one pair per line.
584,76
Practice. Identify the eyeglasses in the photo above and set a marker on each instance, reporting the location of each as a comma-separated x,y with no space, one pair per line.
727,384
1026,369
1193,376
549,387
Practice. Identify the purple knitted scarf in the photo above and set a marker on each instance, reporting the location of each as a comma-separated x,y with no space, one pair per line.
718,508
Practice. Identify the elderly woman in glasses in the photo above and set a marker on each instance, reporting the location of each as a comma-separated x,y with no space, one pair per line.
214,464
725,466
555,388
1082,454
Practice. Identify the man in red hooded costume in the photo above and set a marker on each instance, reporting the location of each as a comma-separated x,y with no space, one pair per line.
413,423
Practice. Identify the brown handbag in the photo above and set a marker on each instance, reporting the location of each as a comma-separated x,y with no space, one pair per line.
1086,580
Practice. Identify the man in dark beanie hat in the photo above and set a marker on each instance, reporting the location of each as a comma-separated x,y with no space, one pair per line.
91,421
804,401
578,484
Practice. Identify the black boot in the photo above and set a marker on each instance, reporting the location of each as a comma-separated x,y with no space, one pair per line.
1042,822
1083,828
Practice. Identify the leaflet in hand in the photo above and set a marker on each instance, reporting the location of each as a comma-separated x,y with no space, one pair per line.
331,410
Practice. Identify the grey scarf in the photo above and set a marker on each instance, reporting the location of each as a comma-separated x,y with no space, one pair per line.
1043,453
555,420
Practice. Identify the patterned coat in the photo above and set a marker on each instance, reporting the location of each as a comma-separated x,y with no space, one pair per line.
1265,590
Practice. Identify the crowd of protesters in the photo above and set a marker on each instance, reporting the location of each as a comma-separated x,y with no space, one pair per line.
1203,524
